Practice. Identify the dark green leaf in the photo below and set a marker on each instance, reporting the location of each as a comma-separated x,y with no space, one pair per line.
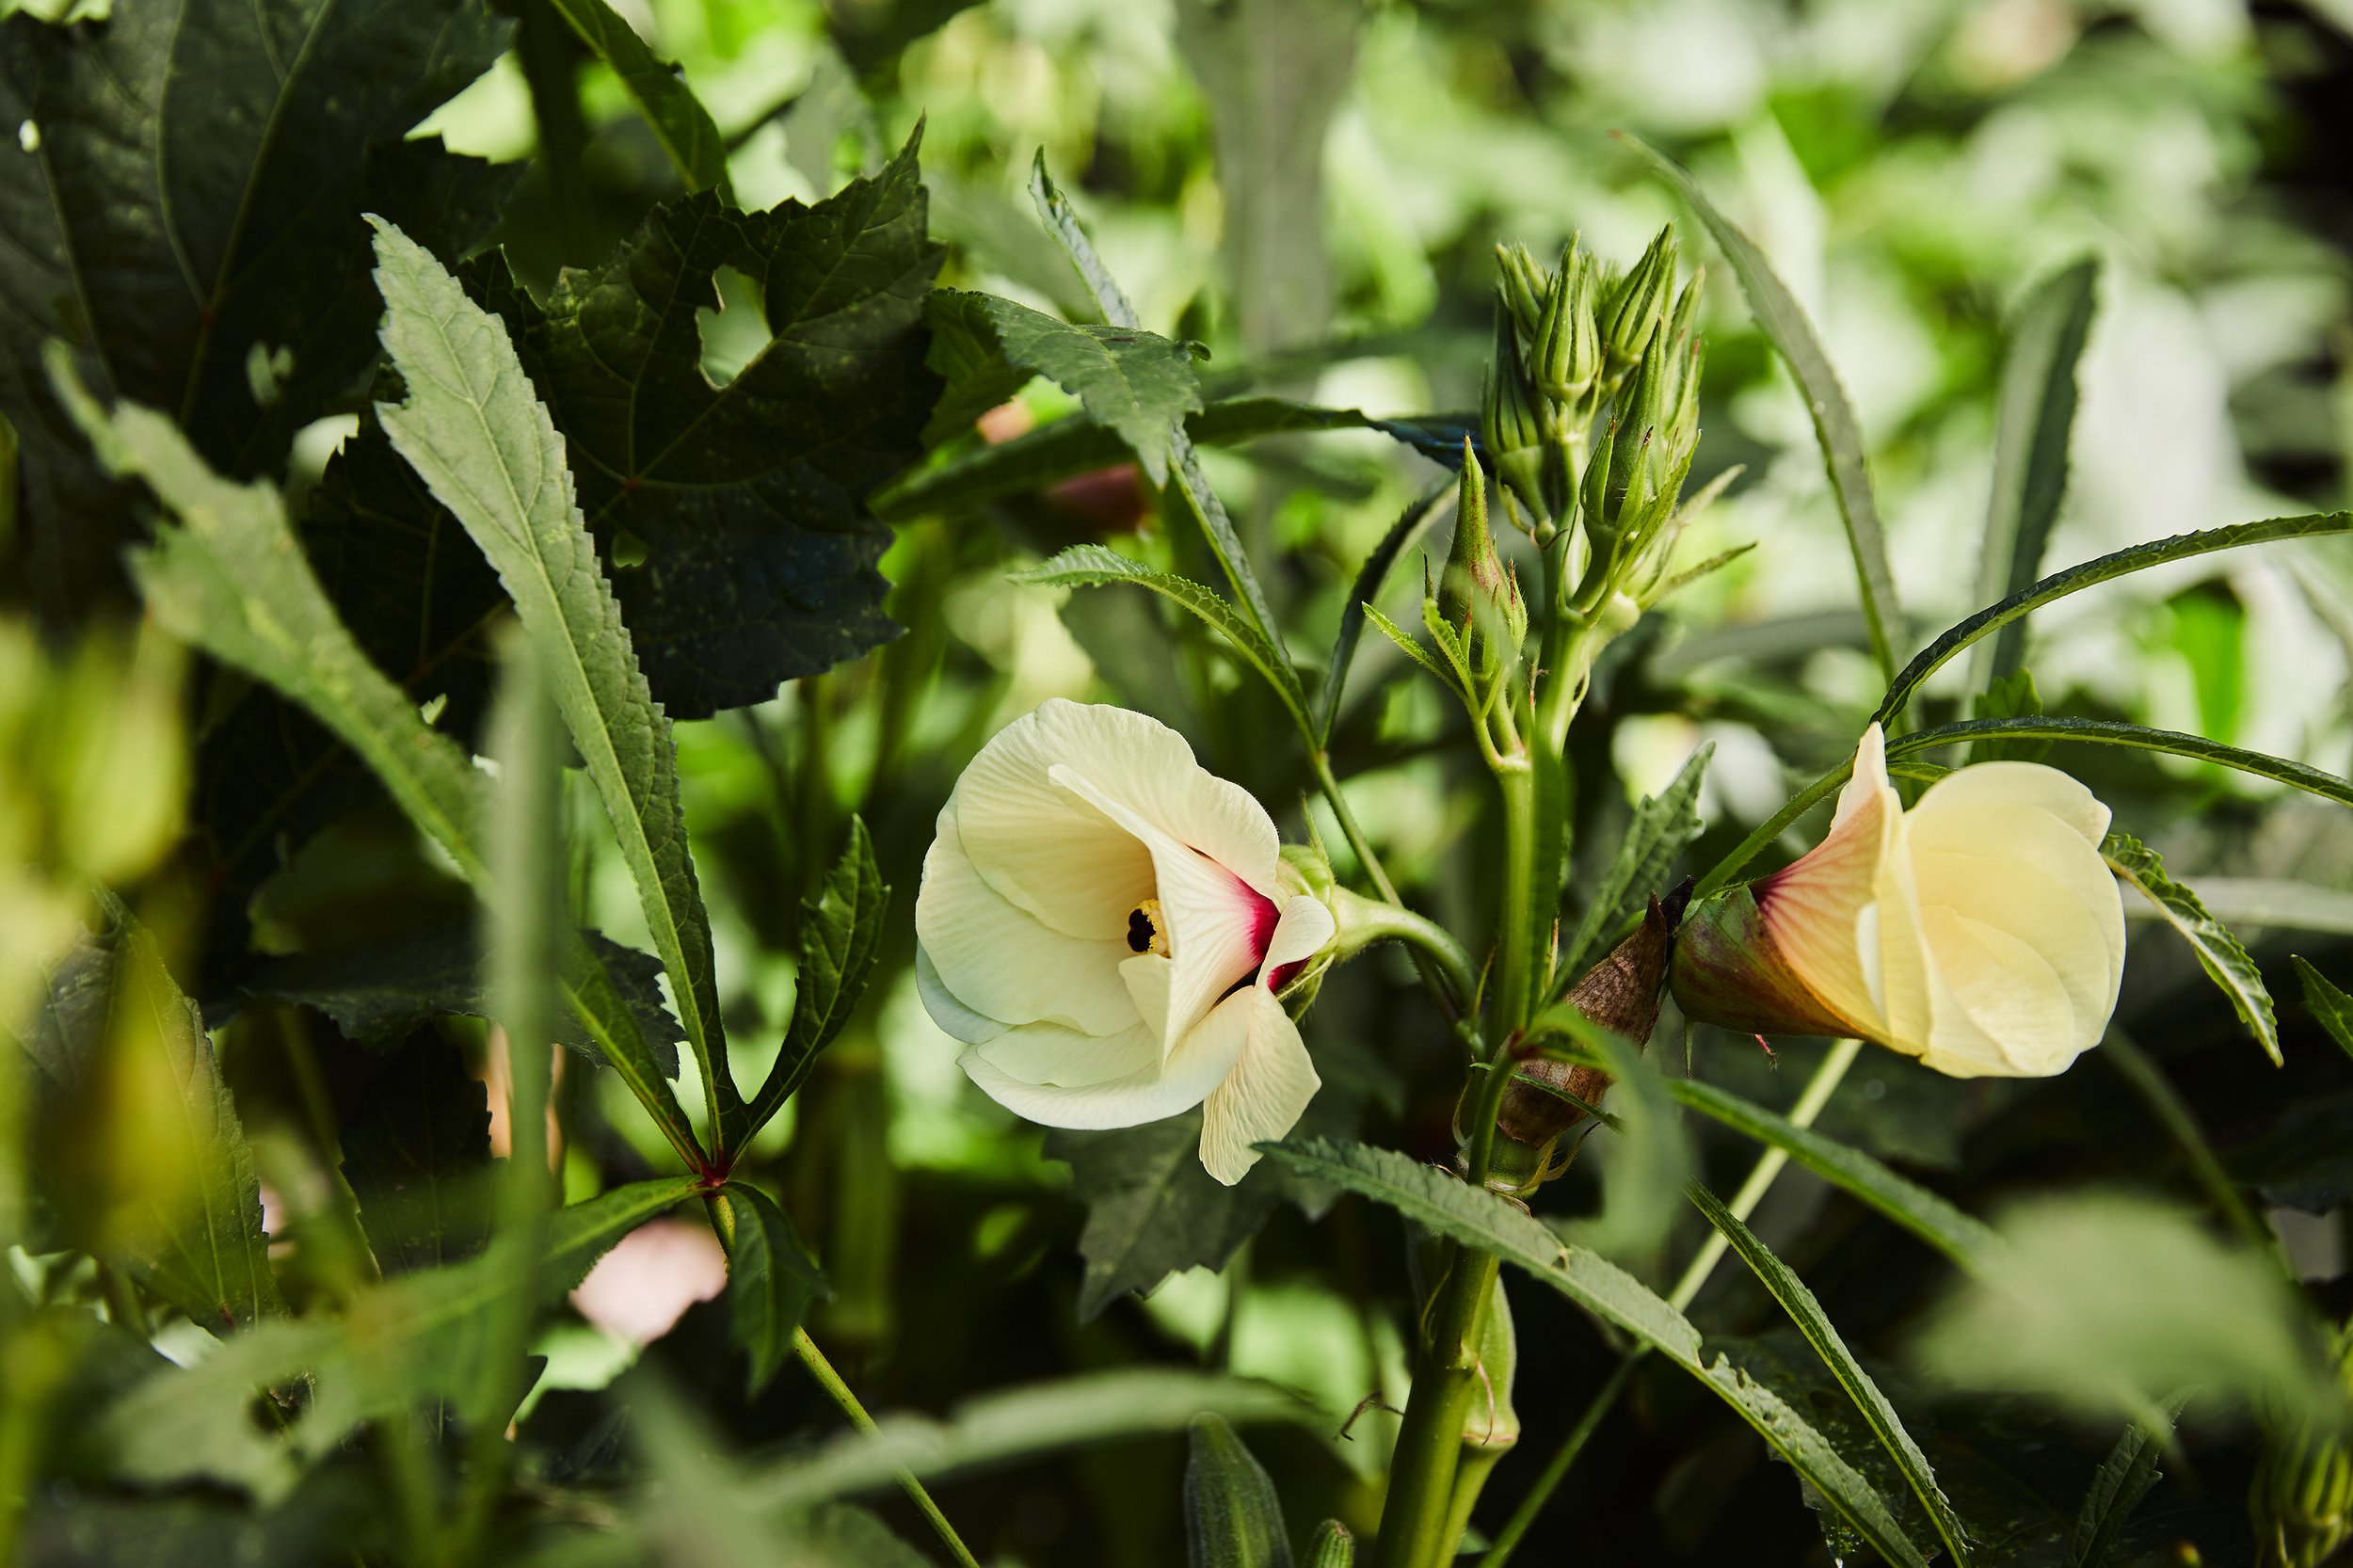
2106,568
2009,697
679,120
1835,427
2328,1003
2035,418
333,1516
416,1145
2125,1478
1784,1285
1440,1202
380,993
1133,383
1076,444
1967,1242
1664,826
231,580
1088,565
178,235
1369,580
2219,953
492,454
771,1282
112,1008
1232,1516
840,938
746,501
1152,1210
1062,221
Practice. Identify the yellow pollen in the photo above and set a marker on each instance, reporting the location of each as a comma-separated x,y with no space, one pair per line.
1145,934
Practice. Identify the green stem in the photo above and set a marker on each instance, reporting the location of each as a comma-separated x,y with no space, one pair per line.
1769,1166
830,1381
1516,941
1364,921
1358,844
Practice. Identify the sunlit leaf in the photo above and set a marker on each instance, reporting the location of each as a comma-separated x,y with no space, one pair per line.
677,116
1664,826
839,941
2219,953
2328,1005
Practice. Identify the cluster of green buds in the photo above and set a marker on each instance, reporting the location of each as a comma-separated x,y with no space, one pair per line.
1591,414
2303,1497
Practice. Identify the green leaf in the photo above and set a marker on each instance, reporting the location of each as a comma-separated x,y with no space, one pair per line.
2125,1478
1440,1202
2009,697
377,994
1664,826
771,1282
2219,953
490,453
1152,1210
231,580
1233,1519
1089,565
1370,578
678,119
1652,1159
1784,1285
2328,1003
2105,568
2108,1305
417,1155
1411,646
1784,321
174,234
1017,1423
2115,732
840,938
1076,444
1967,1242
113,1015
1208,510
414,1339
733,518
2033,422
1135,383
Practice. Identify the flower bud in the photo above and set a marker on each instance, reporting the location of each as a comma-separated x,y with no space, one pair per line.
1640,300
1568,354
1509,423
1621,993
1476,592
1980,931
2301,1502
1521,288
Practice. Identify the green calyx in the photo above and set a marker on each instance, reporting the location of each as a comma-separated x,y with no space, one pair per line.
1729,970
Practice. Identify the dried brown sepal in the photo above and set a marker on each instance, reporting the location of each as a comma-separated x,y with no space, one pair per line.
1621,993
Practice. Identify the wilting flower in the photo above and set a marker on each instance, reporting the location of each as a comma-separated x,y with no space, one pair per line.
1981,931
1106,925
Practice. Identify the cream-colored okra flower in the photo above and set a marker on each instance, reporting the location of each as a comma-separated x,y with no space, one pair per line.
1980,932
1105,924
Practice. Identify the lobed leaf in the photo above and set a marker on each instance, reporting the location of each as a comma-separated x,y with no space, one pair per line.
1786,1287
1136,384
2219,953
1090,564
1439,1202
2105,568
489,451
1835,427
678,119
771,1281
186,213
839,941
2033,420
2123,1479
1233,1518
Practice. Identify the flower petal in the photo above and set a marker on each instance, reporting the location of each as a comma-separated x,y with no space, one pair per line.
1218,926
998,961
1051,1056
1198,1065
1263,1097
1305,926
1064,864
1819,910
2010,999
951,1015
2021,784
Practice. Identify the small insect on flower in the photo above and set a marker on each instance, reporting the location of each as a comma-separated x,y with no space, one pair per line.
1106,924
1980,931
